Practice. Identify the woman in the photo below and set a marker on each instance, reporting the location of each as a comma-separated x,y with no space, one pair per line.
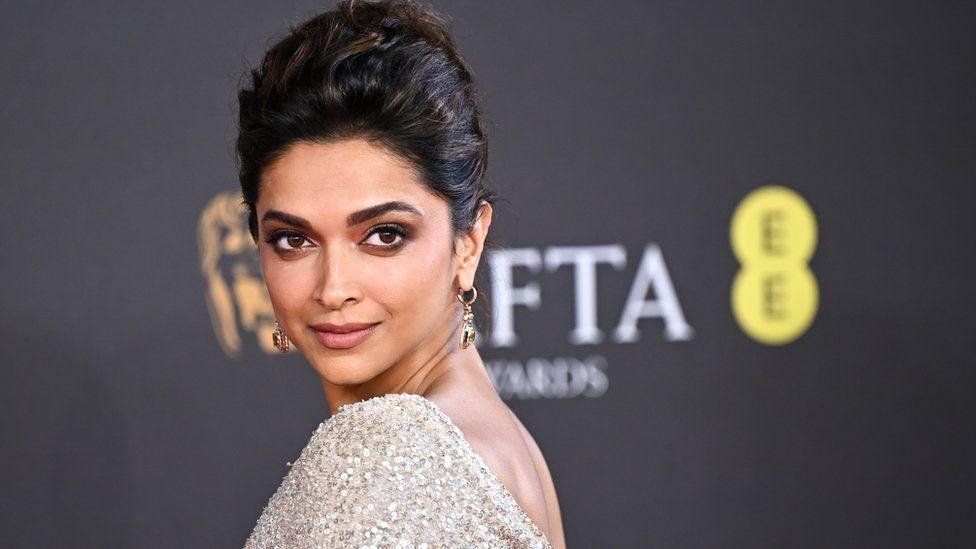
362,159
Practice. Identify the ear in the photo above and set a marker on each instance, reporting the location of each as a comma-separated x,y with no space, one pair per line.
471,245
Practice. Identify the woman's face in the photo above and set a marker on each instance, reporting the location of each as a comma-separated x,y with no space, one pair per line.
328,259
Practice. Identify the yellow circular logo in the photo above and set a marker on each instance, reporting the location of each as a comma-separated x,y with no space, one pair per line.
775,294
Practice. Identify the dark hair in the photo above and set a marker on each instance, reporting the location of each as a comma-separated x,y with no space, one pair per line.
388,72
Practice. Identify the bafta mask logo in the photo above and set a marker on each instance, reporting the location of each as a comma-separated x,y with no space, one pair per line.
236,295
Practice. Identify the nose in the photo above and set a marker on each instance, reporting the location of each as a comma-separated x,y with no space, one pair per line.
337,282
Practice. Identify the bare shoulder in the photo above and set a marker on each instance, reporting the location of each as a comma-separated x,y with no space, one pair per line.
507,448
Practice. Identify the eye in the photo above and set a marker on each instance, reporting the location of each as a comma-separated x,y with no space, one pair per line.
387,236
286,241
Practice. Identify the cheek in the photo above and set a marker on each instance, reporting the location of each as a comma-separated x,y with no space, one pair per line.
288,283
418,284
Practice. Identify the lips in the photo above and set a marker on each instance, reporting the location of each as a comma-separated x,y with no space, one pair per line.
343,336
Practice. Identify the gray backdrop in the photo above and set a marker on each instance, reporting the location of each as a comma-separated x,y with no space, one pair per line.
140,409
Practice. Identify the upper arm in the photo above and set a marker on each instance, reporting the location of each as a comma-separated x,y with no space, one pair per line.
392,482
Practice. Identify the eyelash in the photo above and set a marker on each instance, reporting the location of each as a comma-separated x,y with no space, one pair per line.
275,236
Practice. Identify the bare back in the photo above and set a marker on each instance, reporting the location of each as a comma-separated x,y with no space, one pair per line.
509,450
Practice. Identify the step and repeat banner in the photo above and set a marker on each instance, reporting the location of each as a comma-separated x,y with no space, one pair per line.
732,301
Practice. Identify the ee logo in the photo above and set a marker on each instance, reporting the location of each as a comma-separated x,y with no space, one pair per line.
773,235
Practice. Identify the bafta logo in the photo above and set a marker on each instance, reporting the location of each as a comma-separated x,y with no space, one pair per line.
236,295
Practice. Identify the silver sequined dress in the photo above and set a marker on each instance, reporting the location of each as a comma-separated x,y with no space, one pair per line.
392,471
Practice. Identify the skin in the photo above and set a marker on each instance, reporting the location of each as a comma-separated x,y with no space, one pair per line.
321,269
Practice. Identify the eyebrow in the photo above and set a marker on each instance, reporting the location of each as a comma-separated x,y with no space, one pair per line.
354,218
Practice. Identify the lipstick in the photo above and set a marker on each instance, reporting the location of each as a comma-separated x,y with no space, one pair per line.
343,336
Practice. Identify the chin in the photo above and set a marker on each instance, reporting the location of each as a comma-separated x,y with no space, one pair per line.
340,370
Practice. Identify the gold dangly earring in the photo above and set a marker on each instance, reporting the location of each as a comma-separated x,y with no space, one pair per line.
467,331
280,339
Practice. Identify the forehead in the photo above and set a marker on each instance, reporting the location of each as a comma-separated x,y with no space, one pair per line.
340,177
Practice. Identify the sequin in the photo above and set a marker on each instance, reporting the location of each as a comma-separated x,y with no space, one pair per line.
392,471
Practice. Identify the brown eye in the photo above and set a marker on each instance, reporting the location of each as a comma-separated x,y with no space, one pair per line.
286,241
387,237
